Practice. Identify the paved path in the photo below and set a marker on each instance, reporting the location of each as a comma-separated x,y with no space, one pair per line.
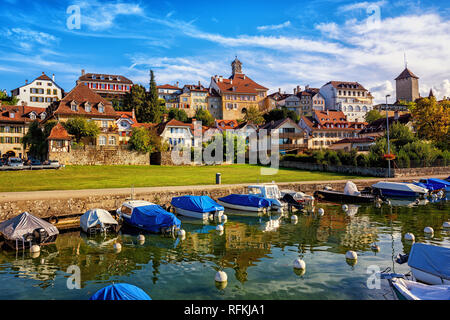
67,194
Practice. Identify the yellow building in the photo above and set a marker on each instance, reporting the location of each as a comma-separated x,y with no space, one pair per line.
85,103
237,94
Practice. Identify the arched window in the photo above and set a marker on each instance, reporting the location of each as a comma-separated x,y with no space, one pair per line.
102,141
350,109
112,141
364,109
357,109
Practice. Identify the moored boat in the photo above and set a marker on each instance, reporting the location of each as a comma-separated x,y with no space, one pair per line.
350,195
199,207
245,202
412,290
399,189
26,230
98,220
149,217
430,264
433,184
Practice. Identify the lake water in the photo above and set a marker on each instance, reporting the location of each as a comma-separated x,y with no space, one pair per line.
256,255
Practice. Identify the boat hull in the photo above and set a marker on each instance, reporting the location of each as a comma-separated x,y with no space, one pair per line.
198,215
428,278
127,223
399,193
336,196
239,207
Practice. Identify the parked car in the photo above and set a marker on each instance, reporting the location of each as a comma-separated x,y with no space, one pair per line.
15,162
51,163
35,162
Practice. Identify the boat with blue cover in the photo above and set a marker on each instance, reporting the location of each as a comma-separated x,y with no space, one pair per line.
434,184
200,207
245,202
398,189
430,263
149,217
120,291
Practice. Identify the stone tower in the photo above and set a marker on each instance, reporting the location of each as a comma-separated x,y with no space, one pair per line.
407,86
236,67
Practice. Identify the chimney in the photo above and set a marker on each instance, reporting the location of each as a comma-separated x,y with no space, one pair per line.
165,117
133,114
82,72
23,104
231,81
199,84
26,81
298,89
279,90
178,83
53,77
43,72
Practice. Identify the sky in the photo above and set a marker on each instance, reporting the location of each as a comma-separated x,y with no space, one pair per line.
281,44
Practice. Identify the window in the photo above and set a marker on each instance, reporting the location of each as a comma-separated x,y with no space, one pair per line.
55,92
104,124
49,91
101,109
112,141
102,141
32,116
87,107
12,115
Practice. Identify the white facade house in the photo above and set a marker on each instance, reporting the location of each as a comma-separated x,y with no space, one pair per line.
349,97
177,133
41,92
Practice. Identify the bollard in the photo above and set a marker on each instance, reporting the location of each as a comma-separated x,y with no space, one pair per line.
218,178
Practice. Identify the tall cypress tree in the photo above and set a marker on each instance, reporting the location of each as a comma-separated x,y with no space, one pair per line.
155,112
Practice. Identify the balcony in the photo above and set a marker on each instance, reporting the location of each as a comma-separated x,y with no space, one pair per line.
109,130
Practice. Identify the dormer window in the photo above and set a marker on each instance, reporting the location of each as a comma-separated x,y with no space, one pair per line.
43,115
94,76
87,107
32,116
12,115
74,106
101,107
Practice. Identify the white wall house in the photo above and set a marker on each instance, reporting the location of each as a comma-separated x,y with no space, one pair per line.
349,97
177,133
41,92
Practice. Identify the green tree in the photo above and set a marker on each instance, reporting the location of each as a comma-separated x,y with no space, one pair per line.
253,115
145,140
205,117
153,110
135,99
178,114
81,128
373,115
7,100
35,141
279,114
400,134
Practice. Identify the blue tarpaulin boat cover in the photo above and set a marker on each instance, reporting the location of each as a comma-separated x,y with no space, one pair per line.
247,200
152,218
120,291
197,204
431,259
436,184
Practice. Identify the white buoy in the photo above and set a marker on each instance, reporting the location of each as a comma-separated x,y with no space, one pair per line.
409,236
224,218
345,208
117,247
35,255
219,227
388,202
428,230
351,255
294,219
181,233
299,264
321,211
141,238
446,224
35,248
221,276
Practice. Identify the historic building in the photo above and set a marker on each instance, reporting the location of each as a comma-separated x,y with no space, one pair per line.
407,86
59,139
291,136
237,93
84,102
197,98
40,92
304,102
168,92
351,98
14,123
107,86
327,127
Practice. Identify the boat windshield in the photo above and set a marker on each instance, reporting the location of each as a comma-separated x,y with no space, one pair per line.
272,192
255,191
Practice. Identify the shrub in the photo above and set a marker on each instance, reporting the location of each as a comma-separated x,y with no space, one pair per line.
403,160
362,160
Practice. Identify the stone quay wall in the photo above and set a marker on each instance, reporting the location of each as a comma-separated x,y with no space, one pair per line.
89,155
46,204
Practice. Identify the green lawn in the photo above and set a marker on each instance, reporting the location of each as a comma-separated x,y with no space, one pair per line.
99,177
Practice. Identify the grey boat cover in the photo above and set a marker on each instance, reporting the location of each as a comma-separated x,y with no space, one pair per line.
431,259
411,290
96,217
25,223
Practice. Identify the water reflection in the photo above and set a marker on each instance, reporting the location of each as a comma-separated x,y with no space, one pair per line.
252,249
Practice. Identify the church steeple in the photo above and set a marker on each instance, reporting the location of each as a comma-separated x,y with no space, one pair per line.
236,67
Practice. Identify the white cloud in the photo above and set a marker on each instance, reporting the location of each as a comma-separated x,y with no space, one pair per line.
170,14
27,38
329,29
361,5
274,27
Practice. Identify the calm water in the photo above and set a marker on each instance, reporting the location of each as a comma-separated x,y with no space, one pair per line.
257,259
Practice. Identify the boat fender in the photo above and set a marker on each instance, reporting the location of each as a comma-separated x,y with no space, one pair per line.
409,236
345,208
446,224
351,255
141,238
117,247
294,218
224,218
388,202
181,233
53,220
35,248
441,194
321,212
219,227
299,264
221,276
428,230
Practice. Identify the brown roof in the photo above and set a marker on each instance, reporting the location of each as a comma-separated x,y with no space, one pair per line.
81,95
126,114
406,74
354,140
239,83
59,133
168,86
226,124
106,78
346,85
44,77
21,113
331,117
313,124
276,124
194,87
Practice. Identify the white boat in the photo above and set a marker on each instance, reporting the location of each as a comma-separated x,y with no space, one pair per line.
243,207
430,264
127,207
199,207
411,290
98,220
268,191
399,189
300,197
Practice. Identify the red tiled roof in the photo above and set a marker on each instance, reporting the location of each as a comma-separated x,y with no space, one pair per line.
239,83
43,77
226,124
126,114
81,94
168,86
331,117
59,133
88,77
193,87
22,113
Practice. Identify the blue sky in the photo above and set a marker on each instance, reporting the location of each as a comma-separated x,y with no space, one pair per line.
282,44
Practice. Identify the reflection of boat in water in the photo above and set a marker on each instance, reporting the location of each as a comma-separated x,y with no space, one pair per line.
98,241
410,203
352,210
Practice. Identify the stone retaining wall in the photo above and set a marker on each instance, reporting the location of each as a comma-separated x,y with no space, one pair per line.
88,156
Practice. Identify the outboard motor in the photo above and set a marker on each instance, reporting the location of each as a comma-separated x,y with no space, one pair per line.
401,258
40,235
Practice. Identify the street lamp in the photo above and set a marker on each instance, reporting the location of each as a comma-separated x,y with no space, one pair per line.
387,128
